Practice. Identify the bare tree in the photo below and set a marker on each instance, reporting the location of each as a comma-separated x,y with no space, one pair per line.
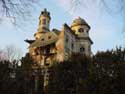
19,10
111,6
12,8
12,53
16,9
2,55
114,6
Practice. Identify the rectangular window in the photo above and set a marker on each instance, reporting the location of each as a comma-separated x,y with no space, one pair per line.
44,21
67,40
72,46
48,49
47,62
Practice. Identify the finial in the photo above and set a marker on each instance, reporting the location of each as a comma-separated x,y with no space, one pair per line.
79,17
45,10
45,13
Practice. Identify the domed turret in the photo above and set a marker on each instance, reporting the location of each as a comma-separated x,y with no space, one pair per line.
80,27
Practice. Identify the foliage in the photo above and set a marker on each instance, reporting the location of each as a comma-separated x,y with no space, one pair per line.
13,77
8,83
104,73
110,68
10,53
69,77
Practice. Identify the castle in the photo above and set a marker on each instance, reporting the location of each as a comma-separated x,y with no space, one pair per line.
55,45
59,45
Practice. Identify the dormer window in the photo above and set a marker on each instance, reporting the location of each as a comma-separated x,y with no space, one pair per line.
81,30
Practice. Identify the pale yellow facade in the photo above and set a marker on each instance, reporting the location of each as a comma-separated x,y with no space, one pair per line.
58,45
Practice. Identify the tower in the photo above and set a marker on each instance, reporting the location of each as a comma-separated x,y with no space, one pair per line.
81,29
44,22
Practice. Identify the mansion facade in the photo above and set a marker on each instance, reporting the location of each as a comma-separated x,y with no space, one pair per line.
59,45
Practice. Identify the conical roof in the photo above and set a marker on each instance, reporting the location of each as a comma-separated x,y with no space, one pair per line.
46,39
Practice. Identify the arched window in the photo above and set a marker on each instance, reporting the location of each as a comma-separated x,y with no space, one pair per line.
81,30
49,37
44,21
82,49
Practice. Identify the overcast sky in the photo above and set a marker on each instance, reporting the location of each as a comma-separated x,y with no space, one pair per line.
106,29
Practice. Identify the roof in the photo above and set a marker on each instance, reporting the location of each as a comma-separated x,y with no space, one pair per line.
79,21
45,13
46,39
29,41
56,31
66,26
